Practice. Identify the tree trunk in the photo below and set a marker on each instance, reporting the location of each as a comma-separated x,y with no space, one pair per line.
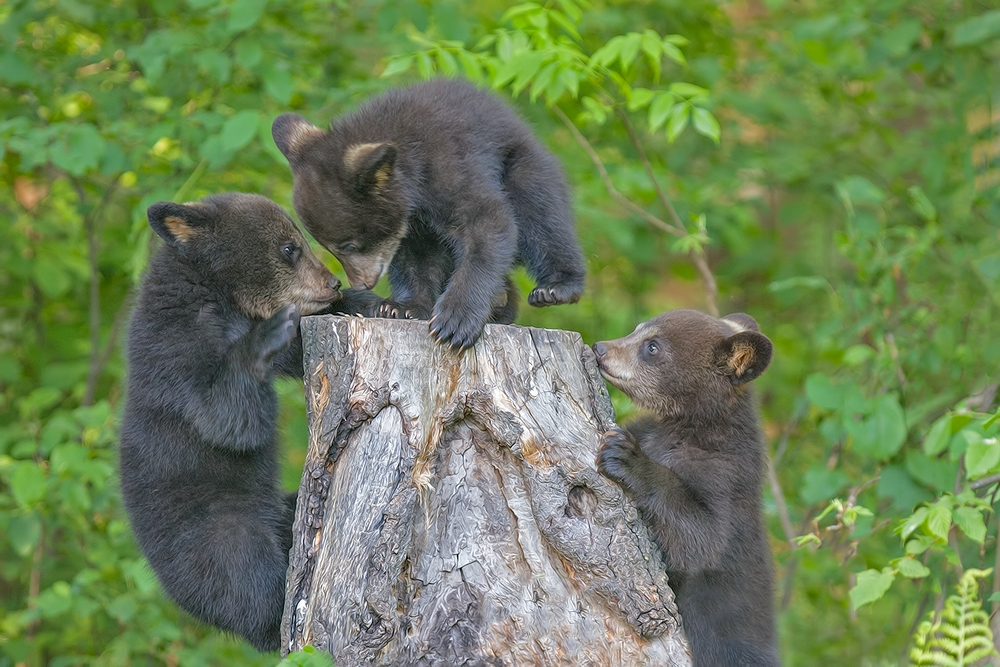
450,513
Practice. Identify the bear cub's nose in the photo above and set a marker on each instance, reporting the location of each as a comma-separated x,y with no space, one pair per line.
599,349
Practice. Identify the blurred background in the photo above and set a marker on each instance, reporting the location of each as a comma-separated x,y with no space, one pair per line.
830,168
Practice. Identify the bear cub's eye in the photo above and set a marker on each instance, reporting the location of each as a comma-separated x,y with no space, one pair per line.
349,247
652,348
291,252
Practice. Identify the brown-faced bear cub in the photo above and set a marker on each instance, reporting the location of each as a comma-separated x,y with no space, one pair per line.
216,318
695,468
444,187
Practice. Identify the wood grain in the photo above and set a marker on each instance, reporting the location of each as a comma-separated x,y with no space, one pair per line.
450,512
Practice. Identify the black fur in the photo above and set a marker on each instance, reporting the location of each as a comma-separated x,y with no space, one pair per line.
449,173
695,470
199,466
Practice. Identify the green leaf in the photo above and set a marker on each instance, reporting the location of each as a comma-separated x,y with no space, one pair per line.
896,484
543,81
80,150
939,521
659,109
27,483
677,121
51,277
981,456
639,98
859,189
24,531
823,393
938,436
871,586
397,66
883,433
630,49
245,13
607,54
654,52
687,90
278,82
705,124
913,522
900,38
938,474
977,29
239,129
922,204
819,483
970,520
912,568
989,268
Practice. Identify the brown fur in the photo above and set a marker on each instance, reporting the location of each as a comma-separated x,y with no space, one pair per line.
694,468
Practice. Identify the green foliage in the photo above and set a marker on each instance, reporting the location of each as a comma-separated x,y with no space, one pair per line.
840,181
960,635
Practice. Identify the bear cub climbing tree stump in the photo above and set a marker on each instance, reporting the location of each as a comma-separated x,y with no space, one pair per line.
450,512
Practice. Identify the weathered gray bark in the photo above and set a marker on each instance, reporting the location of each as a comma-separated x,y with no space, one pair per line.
450,512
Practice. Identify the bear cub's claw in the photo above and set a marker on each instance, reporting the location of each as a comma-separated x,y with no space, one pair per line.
394,311
456,328
278,331
617,455
554,295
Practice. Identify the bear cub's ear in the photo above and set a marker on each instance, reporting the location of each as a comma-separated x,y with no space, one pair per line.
742,321
290,132
369,166
177,224
744,356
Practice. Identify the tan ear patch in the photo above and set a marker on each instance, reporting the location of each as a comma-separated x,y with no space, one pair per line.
179,229
742,358
300,134
382,176
357,153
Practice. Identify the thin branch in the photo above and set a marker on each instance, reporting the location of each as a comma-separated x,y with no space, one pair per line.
93,250
985,481
634,137
609,185
779,501
109,347
677,229
697,256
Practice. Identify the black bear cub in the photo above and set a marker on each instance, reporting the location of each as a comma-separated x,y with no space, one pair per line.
694,468
217,316
444,187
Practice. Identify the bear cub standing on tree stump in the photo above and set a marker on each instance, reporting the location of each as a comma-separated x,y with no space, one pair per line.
445,187
695,471
216,318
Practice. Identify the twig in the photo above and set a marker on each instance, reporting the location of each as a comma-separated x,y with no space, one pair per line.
35,579
90,226
109,347
697,257
609,185
779,501
985,481
797,416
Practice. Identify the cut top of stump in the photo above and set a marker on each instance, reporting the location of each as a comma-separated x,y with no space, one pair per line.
450,512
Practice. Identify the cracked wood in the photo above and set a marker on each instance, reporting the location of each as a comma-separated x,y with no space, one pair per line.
450,512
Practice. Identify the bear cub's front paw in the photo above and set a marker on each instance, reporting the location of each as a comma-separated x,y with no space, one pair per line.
456,325
618,455
554,295
277,332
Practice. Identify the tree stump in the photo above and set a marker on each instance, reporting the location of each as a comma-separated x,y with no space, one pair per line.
450,512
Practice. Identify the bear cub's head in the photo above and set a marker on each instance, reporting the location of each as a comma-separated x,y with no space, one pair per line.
686,362
248,247
348,195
